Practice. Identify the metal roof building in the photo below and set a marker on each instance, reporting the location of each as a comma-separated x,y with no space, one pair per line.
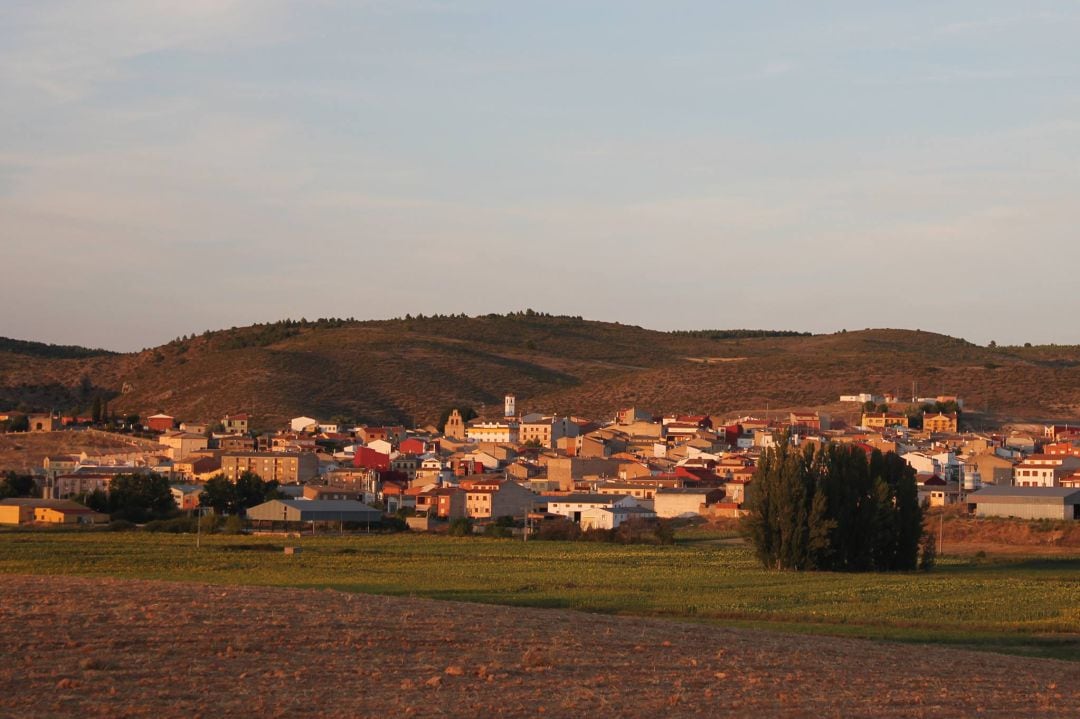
1026,502
314,510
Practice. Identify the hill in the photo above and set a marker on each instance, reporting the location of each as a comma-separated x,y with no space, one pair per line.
409,370
91,647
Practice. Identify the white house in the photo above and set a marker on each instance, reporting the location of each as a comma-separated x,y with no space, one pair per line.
572,506
303,424
381,446
612,517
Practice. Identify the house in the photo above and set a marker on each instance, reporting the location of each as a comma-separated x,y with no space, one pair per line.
367,458
613,517
992,468
235,423
304,424
237,443
1044,470
572,506
282,467
808,422
940,423
544,431
21,510
505,432
198,467
444,502
685,501
413,445
935,491
881,420
160,422
1027,502
79,483
186,496
503,498
567,470
182,444
393,435
55,464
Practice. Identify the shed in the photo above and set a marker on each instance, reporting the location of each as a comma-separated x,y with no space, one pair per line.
314,510
1027,502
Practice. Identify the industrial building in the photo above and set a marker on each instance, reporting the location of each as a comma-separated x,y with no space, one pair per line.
1026,502
314,510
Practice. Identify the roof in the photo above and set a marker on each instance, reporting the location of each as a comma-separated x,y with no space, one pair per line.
308,510
687,490
582,498
1001,494
38,503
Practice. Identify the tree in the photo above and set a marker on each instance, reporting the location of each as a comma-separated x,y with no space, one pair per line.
833,508
140,497
95,412
226,497
18,423
17,485
220,495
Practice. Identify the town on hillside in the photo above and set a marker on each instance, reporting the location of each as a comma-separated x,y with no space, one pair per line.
522,471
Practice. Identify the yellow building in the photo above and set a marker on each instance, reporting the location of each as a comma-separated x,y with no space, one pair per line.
881,420
940,422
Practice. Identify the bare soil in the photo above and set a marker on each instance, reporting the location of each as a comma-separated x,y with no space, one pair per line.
26,451
120,648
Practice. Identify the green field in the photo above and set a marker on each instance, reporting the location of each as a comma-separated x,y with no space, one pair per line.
1023,606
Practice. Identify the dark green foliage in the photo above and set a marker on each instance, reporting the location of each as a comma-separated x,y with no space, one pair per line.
176,525
40,349
17,485
737,334
833,509
139,498
497,531
225,497
18,423
461,527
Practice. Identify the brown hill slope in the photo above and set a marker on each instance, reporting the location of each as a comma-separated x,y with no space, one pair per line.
113,648
410,370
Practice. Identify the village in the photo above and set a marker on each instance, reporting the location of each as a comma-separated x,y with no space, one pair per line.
521,470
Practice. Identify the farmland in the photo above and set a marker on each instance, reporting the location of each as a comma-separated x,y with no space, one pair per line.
1021,605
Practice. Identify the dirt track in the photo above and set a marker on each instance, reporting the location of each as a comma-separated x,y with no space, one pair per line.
92,647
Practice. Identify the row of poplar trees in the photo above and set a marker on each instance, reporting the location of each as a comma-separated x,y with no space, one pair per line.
831,507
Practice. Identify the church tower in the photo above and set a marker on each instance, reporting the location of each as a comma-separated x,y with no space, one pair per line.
509,409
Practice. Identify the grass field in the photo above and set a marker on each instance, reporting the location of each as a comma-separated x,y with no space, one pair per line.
1018,605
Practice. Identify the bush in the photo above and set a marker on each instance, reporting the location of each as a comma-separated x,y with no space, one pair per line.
208,523
234,524
120,525
176,525
498,531
461,527
558,530
394,524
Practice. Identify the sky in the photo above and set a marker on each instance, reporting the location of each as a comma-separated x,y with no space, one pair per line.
170,167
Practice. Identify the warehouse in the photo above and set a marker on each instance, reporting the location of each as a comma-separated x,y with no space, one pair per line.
1026,502
314,510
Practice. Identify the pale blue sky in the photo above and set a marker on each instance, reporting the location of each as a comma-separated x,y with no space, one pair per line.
169,167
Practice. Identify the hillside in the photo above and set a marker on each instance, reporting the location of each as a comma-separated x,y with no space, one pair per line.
409,370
